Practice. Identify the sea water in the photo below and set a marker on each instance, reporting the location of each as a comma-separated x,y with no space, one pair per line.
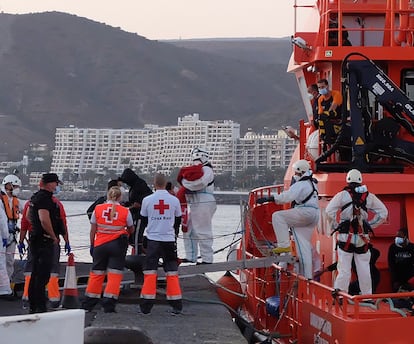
226,230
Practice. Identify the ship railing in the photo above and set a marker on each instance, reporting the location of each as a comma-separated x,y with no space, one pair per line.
263,192
396,28
341,303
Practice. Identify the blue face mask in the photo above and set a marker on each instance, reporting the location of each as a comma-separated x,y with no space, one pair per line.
323,91
57,190
399,241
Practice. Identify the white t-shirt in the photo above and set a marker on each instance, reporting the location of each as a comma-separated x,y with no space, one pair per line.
161,208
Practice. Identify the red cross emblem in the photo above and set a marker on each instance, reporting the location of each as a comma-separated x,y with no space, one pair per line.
161,206
106,214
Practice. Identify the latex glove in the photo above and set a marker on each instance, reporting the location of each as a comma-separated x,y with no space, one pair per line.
68,249
4,242
22,248
91,250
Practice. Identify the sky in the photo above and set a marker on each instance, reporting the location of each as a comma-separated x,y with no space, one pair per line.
175,19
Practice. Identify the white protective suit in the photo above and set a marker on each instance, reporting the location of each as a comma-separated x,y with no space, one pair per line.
201,208
361,259
4,277
11,243
302,219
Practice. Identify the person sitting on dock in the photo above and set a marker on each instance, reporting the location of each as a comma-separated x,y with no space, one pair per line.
354,230
401,261
111,224
161,211
301,218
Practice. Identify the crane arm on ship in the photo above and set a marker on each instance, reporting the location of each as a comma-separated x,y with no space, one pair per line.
359,78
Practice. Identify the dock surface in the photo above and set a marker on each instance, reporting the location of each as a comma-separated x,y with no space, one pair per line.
204,319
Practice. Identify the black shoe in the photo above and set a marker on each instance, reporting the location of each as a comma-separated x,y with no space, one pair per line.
89,303
202,263
177,306
108,305
146,307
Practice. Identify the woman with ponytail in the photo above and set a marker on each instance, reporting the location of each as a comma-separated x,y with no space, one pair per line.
111,224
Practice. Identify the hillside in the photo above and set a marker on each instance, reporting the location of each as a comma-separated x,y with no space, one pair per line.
58,69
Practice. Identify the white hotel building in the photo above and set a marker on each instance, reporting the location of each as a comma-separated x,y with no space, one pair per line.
163,148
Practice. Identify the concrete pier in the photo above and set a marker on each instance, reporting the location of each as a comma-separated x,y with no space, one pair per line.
203,320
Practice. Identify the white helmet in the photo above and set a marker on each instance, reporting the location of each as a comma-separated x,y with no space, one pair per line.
200,154
13,179
301,166
354,176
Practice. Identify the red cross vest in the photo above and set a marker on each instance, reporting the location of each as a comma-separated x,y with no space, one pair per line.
108,229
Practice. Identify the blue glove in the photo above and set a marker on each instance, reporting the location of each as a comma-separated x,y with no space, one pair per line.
21,247
4,242
91,250
67,248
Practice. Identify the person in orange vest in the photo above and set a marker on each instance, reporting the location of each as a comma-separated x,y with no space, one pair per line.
12,206
161,213
111,225
53,285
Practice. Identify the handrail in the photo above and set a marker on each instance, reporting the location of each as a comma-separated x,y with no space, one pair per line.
401,35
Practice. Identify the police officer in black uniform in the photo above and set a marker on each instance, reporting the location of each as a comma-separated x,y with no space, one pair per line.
47,225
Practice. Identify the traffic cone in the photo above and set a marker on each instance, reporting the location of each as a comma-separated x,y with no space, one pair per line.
70,297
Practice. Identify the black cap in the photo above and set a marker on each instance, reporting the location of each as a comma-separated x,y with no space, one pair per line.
50,178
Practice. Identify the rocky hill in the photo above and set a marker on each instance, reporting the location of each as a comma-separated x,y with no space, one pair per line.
58,69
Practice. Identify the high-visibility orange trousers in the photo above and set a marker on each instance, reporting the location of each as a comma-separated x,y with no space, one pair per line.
113,285
95,282
52,287
149,288
173,286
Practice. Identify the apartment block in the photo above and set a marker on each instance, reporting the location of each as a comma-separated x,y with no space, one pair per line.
152,148
163,148
263,151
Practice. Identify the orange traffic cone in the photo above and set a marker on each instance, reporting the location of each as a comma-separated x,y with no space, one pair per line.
70,289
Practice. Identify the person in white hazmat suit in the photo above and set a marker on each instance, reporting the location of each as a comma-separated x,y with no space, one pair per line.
202,206
5,290
354,229
12,206
301,218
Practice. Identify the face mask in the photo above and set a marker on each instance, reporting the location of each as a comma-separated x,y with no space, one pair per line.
296,177
323,91
399,241
57,190
310,96
15,192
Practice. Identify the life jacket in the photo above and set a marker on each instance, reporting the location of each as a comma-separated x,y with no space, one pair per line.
355,226
12,213
313,181
110,229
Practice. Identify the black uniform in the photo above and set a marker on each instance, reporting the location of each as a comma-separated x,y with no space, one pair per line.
401,264
137,191
42,247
